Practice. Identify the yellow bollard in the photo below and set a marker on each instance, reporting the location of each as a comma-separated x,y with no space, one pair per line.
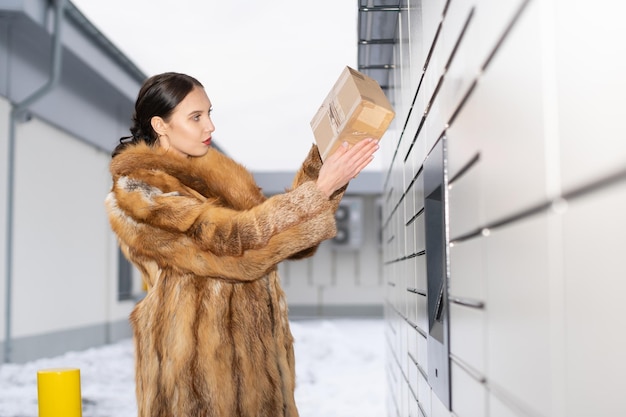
58,391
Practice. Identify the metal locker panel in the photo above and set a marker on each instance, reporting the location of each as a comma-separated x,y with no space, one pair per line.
397,244
493,17
420,234
424,394
465,139
413,301
410,211
433,75
590,83
407,166
392,340
595,284
518,311
405,397
513,159
422,356
410,153
469,396
467,270
420,277
435,125
437,408
416,156
387,147
461,41
414,408
466,203
404,48
467,294
453,23
504,407
398,295
411,238
422,312
412,265
407,331
398,181
467,336
412,377
412,349
428,85
432,14
409,269
417,50
421,300
389,303
399,240
396,189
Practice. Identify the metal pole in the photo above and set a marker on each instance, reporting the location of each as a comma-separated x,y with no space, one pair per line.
16,111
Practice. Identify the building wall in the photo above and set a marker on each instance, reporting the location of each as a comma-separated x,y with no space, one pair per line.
526,99
64,275
64,286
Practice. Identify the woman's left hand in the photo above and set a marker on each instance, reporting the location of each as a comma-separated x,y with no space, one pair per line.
345,164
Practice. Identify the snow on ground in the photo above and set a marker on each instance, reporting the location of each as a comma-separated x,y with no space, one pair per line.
339,373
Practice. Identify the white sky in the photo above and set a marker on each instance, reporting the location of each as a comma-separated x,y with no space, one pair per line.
266,65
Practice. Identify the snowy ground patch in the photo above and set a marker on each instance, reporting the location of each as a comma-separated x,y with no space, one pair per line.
339,373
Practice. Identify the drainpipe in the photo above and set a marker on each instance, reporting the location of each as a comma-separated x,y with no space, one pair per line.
16,111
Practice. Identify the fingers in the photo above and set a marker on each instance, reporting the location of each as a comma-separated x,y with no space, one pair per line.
342,149
345,164
365,163
360,155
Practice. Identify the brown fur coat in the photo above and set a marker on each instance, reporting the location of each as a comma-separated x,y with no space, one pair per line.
212,335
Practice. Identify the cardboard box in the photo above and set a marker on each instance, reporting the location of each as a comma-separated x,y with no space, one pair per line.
356,108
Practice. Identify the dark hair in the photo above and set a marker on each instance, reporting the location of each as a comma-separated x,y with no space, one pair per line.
158,96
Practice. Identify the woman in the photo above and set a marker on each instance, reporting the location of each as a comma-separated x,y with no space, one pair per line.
212,335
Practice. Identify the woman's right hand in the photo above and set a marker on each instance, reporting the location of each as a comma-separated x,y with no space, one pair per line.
345,164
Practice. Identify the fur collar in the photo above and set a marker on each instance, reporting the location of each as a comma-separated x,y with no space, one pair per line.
213,175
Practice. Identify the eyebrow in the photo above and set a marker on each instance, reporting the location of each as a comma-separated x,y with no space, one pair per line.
191,113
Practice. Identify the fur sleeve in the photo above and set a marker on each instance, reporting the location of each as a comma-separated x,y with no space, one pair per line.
145,244
158,200
309,171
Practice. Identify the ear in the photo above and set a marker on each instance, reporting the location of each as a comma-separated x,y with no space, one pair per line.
159,125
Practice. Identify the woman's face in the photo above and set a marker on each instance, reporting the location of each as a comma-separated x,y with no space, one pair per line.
189,128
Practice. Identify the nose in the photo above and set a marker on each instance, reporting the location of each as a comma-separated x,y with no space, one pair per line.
210,127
